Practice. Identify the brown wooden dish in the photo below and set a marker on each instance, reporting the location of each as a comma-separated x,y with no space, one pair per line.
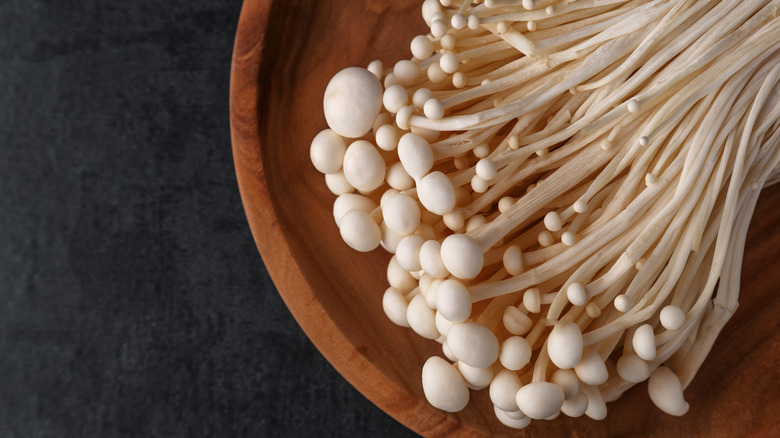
285,53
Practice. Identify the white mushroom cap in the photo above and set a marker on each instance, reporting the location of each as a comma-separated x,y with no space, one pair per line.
516,322
505,203
666,392
508,420
453,301
513,260
422,318
622,303
394,98
475,222
503,390
443,325
446,350
576,406
432,292
327,151
430,260
473,21
429,8
401,213
568,238
597,408
420,96
421,47
532,300
517,415
337,183
408,252
443,385
398,277
449,62
390,239
568,381
552,221
386,195
435,73
353,99
515,353
433,109
478,184
576,294
462,256
454,220
351,201
564,345
376,67
672,317
591,369
364,166
546,239
644,342
473,344
397,177
386,137
476,378
632,369
359,231
406,72
540,400
458,21
486,169
394,304
415,154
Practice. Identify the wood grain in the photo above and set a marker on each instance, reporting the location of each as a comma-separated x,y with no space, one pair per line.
285,52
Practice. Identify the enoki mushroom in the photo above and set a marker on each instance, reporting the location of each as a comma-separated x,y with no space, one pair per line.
566,187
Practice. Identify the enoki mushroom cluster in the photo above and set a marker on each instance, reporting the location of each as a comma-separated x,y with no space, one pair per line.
566,188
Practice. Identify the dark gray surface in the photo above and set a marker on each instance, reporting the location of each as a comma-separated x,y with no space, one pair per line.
134,302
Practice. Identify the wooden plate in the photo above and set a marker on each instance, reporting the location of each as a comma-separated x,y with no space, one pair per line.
285,53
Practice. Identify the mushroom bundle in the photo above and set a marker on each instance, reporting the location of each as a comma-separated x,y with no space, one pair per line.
566,187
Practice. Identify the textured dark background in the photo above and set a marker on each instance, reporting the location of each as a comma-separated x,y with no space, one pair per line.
133,301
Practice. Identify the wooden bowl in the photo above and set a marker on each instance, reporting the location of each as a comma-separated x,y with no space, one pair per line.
285,53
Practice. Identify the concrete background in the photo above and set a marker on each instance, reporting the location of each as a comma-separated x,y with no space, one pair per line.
133,301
